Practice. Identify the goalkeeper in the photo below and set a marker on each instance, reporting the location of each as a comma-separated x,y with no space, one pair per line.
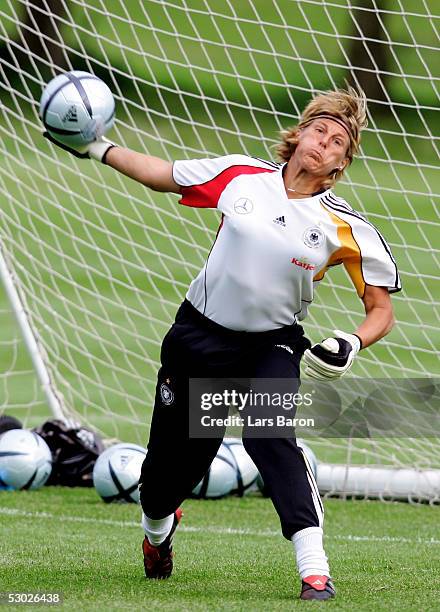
282,228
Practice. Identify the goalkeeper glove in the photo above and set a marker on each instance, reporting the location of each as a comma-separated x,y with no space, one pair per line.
97,149
333,357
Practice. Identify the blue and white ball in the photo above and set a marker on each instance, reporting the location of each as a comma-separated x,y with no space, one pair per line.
221,477
245,469
117,471
76,108
25,460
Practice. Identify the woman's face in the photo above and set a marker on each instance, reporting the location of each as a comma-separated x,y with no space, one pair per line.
322,147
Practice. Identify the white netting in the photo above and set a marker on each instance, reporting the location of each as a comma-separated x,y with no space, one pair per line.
104,263
20,394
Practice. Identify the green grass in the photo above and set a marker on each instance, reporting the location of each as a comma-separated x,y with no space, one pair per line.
383,556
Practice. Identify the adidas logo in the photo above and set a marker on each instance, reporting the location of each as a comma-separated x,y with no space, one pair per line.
71,115
124,461
280,220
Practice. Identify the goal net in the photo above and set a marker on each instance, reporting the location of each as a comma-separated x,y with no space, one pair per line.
20,393
101,264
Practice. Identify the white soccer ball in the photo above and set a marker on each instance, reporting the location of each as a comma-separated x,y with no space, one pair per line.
220,478
76,108
117,471
246,471
25,460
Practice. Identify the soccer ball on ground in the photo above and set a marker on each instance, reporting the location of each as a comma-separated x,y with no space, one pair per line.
25,460
221,477
246,470
117,471
76,108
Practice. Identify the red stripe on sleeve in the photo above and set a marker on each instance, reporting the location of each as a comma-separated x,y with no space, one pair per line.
208,194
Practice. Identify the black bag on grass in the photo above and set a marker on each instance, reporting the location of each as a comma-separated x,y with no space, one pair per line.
74,452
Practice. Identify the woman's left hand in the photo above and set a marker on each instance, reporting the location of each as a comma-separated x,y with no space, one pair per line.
333,357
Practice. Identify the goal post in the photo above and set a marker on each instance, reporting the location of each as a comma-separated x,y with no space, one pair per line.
102,264
33,345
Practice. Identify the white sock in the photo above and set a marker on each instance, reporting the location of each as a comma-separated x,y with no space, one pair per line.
157,530
310,556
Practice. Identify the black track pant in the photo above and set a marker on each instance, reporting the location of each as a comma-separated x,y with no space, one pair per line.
196,347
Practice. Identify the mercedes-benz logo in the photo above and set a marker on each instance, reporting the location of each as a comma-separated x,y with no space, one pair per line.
243,206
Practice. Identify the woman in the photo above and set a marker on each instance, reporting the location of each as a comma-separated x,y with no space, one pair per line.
281,229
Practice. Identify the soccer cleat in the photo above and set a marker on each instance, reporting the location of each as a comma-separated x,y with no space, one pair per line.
317,587
158,560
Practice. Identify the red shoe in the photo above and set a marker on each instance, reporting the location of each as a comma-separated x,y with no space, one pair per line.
317,587
158,560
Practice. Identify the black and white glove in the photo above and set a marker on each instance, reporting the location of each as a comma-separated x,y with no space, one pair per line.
95,150
333,357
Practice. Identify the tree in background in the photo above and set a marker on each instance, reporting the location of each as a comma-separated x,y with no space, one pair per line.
368,50
40,31
39,37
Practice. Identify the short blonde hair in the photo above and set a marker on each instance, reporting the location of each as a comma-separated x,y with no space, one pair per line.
347,106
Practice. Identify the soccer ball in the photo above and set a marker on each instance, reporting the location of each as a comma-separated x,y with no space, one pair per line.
246,470
76,108
25,460
221,477
117,471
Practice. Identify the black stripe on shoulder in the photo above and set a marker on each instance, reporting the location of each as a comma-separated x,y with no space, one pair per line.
340,201
268,163
343,205
356,215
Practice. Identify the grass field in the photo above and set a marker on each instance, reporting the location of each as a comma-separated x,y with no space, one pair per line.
229,555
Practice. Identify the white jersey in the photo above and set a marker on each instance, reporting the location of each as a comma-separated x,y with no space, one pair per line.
270,251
